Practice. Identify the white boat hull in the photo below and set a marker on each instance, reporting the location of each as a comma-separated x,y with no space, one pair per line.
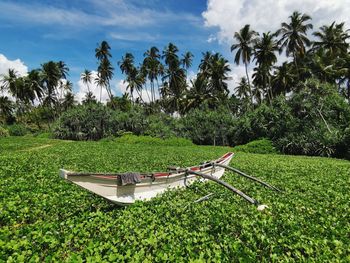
107,187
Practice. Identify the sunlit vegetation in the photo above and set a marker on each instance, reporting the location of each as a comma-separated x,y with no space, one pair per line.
300,102
44,218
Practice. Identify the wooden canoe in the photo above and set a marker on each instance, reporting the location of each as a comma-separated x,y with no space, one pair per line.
107,186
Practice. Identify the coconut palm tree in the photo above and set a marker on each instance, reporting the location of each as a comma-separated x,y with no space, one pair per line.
126,65
68,101
8,82
243,93
264,55
86,77
218,75
89,98
175,77
242,90
103,51
63,69
294,36
50,77
186,60
333,39
246,39
6,107
151,68
35,85
105,68
283,79
100,82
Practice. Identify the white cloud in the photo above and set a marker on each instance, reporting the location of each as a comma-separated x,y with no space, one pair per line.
134,37
122,87
106,13
96,90
6,64
17,64
238,71
231,16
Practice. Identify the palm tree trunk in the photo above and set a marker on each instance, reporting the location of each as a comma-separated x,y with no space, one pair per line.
158,88
250,88
296,65
147,94
100,93
140,96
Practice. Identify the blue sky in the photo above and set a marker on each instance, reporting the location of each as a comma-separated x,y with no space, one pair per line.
36,31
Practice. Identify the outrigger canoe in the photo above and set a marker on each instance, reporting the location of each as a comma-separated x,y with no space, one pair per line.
126,188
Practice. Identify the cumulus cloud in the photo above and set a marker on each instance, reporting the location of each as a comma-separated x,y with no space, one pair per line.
96,90
145,94
17,64
267,15
5,65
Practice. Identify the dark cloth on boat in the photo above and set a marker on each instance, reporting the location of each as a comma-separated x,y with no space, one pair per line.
128,178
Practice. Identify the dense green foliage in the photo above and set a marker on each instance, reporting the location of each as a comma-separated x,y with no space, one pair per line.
43,218
17,130
262,146
4,132
301,104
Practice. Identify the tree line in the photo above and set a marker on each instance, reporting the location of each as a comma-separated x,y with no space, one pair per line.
309,70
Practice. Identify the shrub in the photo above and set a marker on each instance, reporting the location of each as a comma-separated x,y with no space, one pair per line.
211,127
4,132
84,122
162,126
17,130
263,146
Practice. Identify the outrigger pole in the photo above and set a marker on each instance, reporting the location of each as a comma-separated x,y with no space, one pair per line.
228,186
247,176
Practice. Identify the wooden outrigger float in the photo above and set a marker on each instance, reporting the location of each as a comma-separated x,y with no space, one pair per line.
126,188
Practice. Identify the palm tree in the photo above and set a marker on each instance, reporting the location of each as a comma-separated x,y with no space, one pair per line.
68,101
103,51
100,82
105,69
199,94
151,67
127,67
242,90
218,70
186,60
89,98
50,77
283,79
6,107
63,69
35,85
243,93
175,77
265,57
294,36
9,82
333,39
246,39
86,77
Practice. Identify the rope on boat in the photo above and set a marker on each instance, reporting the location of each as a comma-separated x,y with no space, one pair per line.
228,186
247,176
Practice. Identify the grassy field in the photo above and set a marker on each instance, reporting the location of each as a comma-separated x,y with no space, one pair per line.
43,218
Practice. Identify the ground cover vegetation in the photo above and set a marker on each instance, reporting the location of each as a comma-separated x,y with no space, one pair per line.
301,104
44,218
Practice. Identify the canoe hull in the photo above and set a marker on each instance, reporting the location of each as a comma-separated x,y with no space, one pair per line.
107,187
